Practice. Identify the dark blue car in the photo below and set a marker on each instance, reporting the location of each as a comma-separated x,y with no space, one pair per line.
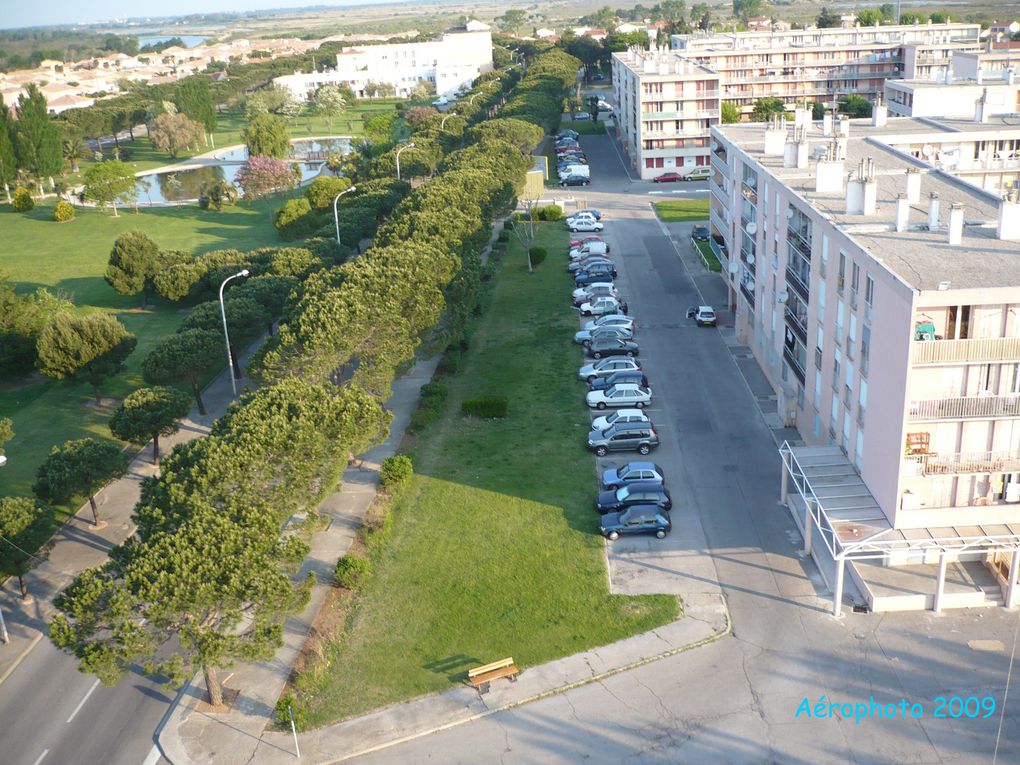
637,519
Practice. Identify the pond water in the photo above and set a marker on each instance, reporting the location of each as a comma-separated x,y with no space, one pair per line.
190,41
184,185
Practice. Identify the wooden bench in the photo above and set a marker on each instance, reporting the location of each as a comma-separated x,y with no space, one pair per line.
480,677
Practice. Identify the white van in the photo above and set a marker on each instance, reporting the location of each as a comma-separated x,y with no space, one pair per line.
583,170
589,248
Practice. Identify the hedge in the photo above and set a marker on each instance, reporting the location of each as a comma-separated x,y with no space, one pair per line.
486,406
63,212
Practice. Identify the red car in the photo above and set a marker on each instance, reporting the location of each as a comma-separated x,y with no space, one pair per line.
584,240
668,178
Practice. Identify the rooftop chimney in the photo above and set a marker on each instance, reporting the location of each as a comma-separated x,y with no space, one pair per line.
841,144
933,211
913,185
827,123
902,213
981,107
879,114
861,190
844,126
955,223
801,117
1009,76
775,138
980,75
1009,216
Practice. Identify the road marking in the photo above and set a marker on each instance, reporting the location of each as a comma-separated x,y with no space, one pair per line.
153,756
44,753
81,703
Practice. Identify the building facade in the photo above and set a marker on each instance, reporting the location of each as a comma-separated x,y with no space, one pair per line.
450,63
880,295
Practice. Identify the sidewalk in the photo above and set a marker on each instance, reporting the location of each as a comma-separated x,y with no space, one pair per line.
79,545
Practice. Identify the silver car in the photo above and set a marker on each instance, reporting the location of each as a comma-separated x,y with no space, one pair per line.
611,320
607,366
585,336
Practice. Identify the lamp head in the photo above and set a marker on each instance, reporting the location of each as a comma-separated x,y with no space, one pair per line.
244,272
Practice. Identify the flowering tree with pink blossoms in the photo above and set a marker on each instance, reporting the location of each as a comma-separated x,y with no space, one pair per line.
261,176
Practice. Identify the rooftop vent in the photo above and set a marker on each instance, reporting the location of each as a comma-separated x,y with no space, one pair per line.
933,211
955,223
861,189
913,185
902,213
1008,228
775,137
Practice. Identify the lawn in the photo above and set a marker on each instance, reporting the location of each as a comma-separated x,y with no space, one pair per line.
682,210
708,257
70,259
494,549
584,127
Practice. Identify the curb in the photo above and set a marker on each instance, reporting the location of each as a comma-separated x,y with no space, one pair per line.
21,657
727,630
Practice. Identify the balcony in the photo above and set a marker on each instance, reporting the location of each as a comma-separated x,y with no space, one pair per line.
720,253
748,294
985,349
798,324
720,193
961,463
965,407
721,220
798,242
719,164
795,280
795,365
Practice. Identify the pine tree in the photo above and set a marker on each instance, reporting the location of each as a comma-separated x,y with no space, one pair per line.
37,147
8,160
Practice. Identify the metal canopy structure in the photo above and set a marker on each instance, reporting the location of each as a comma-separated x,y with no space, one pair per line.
837,503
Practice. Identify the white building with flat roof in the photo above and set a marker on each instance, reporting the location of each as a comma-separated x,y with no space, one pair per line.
879,291
452,62
978,99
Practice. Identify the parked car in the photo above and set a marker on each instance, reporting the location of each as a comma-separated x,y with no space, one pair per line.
613,346
581,116
602,305
700,234
597,273
632,472
619,377
580,217
599,77
602,291
605,106
703,314
584,225
611,320
584,240
669,177
622,395
627,436
620,415
607,366
594,290
580,180
588,263
567,132
586,336
596,214
637,519
637,493
698,174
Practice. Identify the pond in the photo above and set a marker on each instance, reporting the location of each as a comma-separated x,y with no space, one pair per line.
186,185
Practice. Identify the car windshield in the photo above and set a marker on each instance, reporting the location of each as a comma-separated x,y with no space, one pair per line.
622,493
612,418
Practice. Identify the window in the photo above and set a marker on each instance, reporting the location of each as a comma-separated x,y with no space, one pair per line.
862,403
837,362
859,449
841,276
649,163
869,296
865,349
855,280
839,322
851,338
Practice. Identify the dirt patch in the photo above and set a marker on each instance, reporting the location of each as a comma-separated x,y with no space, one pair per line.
229,697
104,404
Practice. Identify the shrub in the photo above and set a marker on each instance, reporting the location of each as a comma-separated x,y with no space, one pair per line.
294,218
22,200
421,418
63,212
452,359
433,393
349,571
504,236
287,705
549,212
508,225
537,255
395,471
486,406
324,189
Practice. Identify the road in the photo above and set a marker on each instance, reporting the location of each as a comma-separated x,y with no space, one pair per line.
736,700
54,714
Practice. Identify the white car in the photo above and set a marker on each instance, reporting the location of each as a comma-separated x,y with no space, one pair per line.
605,106
585,225
595,289
621,395
586,336
703,314
607,366
600,306
576,217
620,415
611,320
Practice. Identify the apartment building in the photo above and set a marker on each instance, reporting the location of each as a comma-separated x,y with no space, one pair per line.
665,106
979,99
451,63
880,294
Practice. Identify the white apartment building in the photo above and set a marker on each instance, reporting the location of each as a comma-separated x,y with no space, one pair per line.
979,99
451,63
798,66
665,106
880,294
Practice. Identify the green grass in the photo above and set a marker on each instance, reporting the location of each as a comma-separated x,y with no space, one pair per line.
493,549
70,259
708,257
585,127
682,210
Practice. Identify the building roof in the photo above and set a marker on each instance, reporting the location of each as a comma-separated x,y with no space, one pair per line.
920,258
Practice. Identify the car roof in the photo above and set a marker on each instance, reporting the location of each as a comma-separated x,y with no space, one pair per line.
706,308
643,509
642,465
627,412
646,486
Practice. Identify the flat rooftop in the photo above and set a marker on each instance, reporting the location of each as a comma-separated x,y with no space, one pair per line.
664,63
920,258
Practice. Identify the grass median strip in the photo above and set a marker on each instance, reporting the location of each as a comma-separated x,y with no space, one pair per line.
682,210
708,257
494,549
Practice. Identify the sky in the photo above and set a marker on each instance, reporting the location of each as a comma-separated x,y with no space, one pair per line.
16,13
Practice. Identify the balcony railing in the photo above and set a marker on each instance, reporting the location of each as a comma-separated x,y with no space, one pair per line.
965,407
798,324
719,252
721,219
958,464
983,349
793,278
794,362
720,193
748,294
719,163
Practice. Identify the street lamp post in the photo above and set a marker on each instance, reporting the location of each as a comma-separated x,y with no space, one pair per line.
336,215
4,637
226,333
405,146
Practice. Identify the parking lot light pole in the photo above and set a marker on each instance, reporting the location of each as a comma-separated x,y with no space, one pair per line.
405,146
226,333
336,215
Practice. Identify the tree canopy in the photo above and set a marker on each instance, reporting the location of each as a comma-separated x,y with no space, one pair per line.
84,348
17,514
109,182
182,358
149,413
266,135
80,466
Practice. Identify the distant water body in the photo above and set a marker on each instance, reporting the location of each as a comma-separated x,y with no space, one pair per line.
190,41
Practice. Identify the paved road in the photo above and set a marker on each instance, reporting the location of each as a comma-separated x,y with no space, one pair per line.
54,715
736,701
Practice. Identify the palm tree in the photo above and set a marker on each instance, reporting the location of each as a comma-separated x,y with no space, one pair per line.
75,149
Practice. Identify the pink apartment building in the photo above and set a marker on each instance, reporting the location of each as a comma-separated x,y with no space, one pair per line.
880,294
